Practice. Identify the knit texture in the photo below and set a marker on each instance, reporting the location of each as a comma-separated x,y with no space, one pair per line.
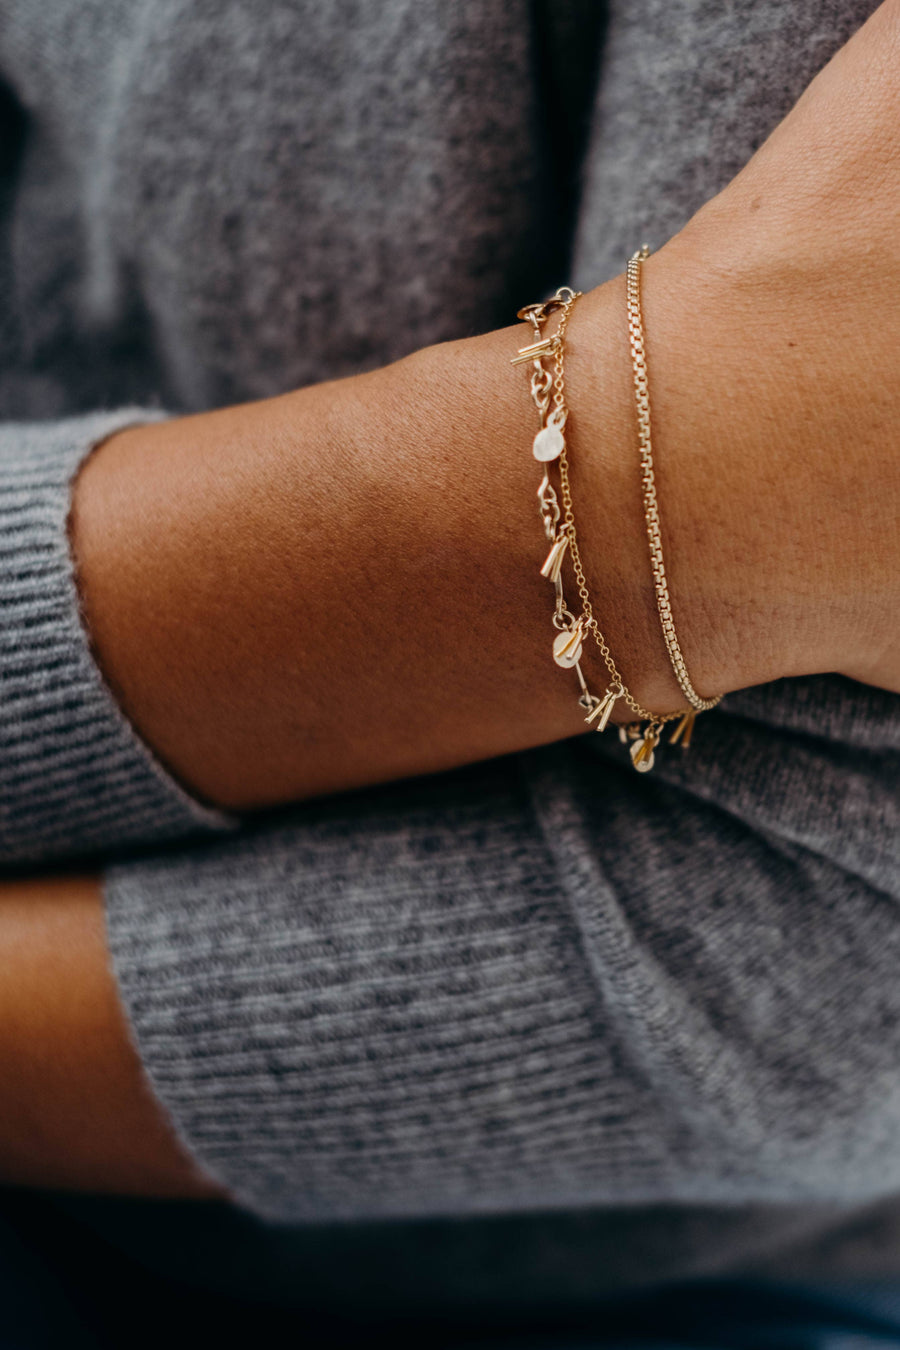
539,984
74,778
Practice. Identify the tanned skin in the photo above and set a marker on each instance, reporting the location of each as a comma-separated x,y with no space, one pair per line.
340,586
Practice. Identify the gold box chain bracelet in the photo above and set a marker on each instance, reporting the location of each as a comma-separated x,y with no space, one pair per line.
548,391
648,482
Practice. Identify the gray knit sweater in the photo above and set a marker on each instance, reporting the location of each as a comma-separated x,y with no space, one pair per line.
541,984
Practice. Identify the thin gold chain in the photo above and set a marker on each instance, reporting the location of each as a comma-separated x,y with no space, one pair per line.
589,619
648,483
548,390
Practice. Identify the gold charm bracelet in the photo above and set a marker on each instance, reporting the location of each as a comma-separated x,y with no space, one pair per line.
548,392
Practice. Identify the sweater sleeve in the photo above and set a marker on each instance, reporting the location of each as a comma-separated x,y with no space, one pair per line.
543,982
74,777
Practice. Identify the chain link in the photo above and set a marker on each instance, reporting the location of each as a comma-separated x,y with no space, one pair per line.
648,482
547,389
589,620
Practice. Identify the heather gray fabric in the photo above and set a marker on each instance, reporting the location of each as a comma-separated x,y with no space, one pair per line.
72,772
546,983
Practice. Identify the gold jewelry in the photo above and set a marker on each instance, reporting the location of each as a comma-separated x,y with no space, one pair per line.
648,484
548,389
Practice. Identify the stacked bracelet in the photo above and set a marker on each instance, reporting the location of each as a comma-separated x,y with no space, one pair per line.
548,390
648,482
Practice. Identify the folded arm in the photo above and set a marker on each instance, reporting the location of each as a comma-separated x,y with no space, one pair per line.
340,586
77,1111
430,984
540,982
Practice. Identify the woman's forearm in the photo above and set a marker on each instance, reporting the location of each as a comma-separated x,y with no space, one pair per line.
341,586
75,1110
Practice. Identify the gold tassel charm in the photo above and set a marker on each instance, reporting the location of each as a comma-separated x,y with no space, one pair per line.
553,565
545,346
544,360
567,647
642,756
603,709
685,729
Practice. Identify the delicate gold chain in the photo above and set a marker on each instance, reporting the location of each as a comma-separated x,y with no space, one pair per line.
591,624
648,482
548,390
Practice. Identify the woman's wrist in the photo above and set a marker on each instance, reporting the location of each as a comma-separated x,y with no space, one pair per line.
342,585
731,628
773,381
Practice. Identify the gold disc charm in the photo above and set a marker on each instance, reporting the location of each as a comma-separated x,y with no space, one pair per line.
642,756
567,647
549,443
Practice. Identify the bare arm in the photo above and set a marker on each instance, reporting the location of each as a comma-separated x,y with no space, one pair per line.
76,1111
263,655
340,586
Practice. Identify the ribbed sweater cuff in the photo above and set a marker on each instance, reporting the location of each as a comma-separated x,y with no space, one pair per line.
74,776
378,1006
